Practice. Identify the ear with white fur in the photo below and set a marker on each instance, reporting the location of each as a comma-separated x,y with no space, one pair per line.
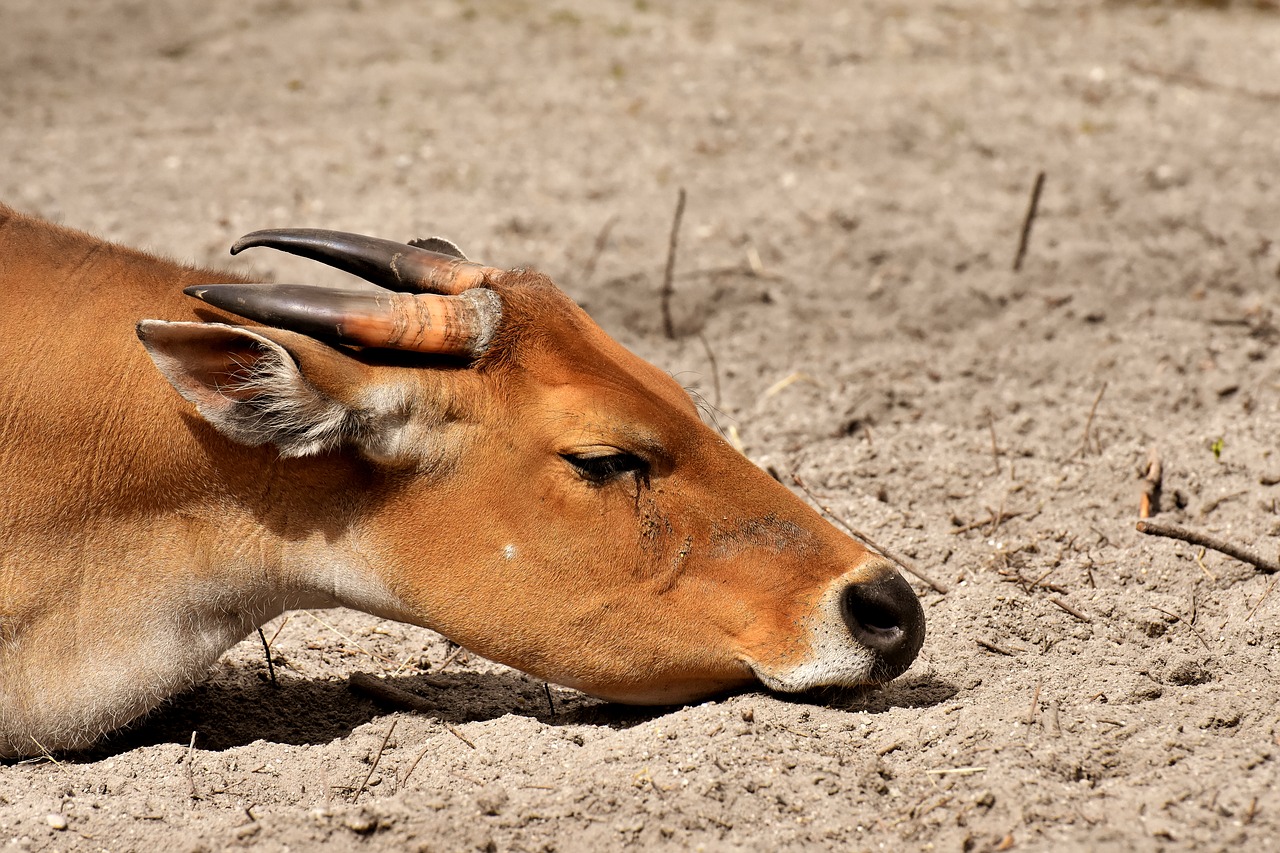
251,388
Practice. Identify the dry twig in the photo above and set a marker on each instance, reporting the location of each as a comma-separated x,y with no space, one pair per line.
266,649
460,736
1172,531
1034,710
1262,598
995,448
995,519
413,765
715,368
992,647
374,766
866,540
1193,628
668,285
1025,236
451,657
1068,608
380,691
1195,81
191,778
1088,423
602,240
1149,500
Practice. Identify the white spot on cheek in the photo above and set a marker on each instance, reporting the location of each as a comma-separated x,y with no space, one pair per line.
509,552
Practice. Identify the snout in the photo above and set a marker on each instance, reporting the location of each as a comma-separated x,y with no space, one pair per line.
885,616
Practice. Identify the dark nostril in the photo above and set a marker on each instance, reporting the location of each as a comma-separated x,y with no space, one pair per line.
885,616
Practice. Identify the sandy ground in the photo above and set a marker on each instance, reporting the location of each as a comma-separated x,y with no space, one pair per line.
857,174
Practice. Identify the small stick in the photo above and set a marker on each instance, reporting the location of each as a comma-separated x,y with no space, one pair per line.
1035,583
1149,500
459,735
1202,640
995,449
866,540
602,240
1025,237
668,285
1035,704
380,691
414,765
1171,531
374,766
191,778
1088,423
279,628
992,647
991,519
1262,598
998,519
358,647
1070,609
1196,81
453,655
715,368
551,706
271,668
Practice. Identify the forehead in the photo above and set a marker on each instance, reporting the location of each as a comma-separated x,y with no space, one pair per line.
584,373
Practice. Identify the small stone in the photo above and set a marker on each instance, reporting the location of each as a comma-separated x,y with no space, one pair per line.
56,821
248,830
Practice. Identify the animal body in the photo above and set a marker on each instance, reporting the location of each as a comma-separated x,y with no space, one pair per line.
463,449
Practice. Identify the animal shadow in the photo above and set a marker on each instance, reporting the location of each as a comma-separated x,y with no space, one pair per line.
922,691
239,707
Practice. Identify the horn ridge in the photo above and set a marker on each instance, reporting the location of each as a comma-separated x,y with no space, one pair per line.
461,325
386,263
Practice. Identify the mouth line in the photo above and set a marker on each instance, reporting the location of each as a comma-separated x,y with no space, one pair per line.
780,687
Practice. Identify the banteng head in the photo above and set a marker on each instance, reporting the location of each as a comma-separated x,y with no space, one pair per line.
502,471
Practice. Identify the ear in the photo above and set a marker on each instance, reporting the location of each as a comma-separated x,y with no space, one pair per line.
253,389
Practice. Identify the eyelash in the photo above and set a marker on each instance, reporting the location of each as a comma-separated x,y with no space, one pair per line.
601,469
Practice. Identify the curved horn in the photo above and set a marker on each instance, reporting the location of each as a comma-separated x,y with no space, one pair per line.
461,325
385,263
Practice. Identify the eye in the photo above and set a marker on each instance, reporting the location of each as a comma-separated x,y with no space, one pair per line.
601,468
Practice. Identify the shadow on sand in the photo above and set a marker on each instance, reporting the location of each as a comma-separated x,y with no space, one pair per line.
239,708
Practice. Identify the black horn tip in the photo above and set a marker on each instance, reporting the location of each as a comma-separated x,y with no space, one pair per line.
281,238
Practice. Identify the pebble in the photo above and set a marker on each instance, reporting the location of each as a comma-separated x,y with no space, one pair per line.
56,821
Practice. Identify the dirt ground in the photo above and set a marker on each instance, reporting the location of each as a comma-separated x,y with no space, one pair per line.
857,177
